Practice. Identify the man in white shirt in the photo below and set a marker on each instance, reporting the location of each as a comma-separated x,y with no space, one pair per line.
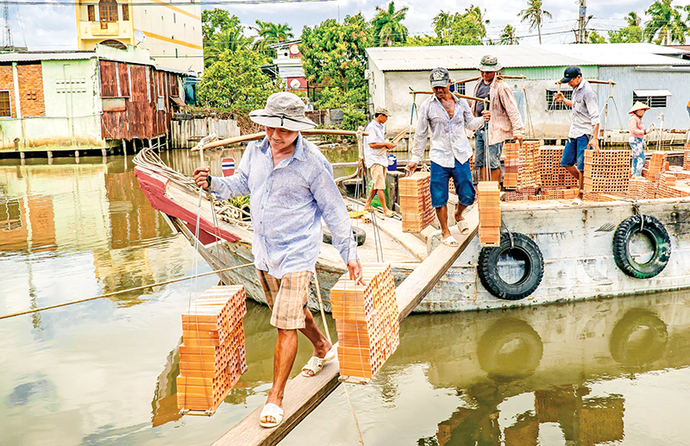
443,117
377,163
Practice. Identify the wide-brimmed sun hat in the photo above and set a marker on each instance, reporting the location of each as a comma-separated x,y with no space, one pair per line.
489,63
638,106
284,110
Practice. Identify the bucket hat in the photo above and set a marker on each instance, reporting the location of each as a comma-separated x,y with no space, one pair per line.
381,111
638,106
489,63
284,110
439,77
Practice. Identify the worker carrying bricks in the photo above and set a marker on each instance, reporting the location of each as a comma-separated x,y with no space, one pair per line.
584,128
376,158
505,120
444,118
292,189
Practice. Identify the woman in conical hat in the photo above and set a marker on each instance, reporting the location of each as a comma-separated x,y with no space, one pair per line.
636,140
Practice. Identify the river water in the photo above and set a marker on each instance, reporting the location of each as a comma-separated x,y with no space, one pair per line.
613,371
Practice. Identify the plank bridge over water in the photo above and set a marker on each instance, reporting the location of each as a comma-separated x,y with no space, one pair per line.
303,395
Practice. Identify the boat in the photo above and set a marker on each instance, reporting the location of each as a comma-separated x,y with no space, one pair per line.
550,250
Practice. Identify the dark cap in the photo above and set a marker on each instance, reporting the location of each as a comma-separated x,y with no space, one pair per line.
439,77
571,73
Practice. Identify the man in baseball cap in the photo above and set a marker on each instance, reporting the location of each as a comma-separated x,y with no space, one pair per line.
292,189
443,118
584,128
375,161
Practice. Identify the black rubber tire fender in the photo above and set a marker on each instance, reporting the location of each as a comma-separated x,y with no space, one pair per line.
643,352
656,232
487,267
358,233
510,348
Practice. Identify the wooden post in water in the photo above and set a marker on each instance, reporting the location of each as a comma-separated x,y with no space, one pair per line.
303,395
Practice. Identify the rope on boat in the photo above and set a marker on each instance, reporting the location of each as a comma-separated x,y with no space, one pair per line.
129,290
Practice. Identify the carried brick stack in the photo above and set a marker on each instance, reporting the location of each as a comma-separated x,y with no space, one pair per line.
511,165
489,198
212,355
415,202
607,171
366,318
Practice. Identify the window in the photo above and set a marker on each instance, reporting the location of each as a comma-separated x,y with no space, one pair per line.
91,12
552,105
458,88
5,109
653,98
125,13
107,11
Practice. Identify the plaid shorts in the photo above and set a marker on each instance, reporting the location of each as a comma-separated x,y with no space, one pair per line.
287,298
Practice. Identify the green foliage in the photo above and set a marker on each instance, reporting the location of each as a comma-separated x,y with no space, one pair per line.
353,118
236,83
425,40
221,33
666,24
387,29
629,34
595,37
534,15
460,29
508,36
334,55
270,33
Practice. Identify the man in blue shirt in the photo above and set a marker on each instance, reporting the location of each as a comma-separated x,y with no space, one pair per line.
292,189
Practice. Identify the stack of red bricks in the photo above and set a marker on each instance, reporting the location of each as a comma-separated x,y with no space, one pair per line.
686,157
550,173
415,202
529,152
607,171
511,165
212,355
366,318
489,198
655,166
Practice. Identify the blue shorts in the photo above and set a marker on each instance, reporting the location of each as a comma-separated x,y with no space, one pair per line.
495,150
462,178
574,152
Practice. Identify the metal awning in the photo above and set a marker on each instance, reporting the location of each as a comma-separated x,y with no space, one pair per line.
649,93
177,101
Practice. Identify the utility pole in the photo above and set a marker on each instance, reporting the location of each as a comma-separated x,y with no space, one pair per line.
7,33
581,24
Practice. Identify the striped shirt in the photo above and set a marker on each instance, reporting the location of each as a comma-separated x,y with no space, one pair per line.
448,139
506,122
585,110
287,203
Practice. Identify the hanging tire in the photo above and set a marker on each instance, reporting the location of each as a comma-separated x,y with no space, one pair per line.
357,233
658,237
523,250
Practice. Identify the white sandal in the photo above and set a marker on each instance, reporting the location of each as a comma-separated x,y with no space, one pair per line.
463,226
315,364
271,410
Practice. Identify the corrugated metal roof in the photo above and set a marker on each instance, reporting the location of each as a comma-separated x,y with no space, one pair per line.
518,56
39,56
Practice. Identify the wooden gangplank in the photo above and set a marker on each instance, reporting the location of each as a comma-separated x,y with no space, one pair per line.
303,395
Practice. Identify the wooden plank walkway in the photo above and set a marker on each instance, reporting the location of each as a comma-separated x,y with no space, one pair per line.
303,395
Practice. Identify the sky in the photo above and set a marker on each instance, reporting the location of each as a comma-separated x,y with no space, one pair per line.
53,27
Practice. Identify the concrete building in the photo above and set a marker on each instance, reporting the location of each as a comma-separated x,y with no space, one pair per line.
170,31
287,66
84,99
653,74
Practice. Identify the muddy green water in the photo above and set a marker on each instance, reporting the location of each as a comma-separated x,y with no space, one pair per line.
612,372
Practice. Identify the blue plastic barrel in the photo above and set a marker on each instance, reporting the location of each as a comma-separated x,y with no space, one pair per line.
392,163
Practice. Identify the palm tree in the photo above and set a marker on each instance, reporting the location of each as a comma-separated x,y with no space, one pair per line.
508,36
387,27
270,33
666,23
633,19
443,23
534,14
230,39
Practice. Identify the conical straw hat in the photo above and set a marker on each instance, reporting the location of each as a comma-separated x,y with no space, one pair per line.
638,106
